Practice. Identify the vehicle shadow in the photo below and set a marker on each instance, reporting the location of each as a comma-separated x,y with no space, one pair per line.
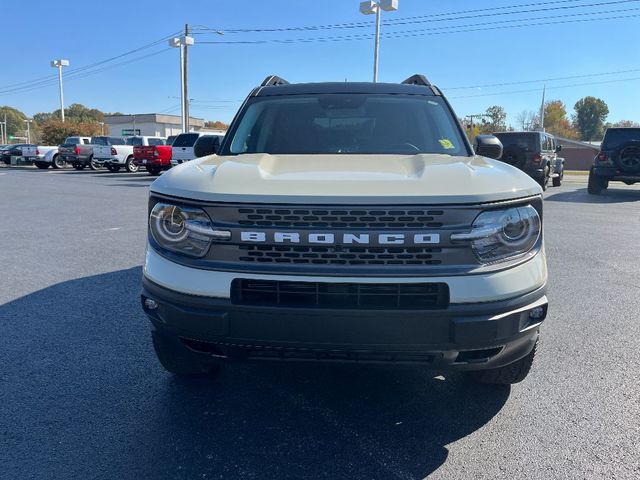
87,399
610,195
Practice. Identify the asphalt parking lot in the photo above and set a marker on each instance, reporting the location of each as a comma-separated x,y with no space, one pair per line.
82,395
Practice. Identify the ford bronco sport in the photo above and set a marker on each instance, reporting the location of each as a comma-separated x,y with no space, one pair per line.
618,159
347,222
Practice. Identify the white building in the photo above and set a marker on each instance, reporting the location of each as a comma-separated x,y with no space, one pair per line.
150,124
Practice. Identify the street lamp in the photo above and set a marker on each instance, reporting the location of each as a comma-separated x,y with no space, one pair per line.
182,43
59,64
369,8
101,128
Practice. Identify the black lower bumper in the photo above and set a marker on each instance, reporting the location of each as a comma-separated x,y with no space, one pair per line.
614,174
462,336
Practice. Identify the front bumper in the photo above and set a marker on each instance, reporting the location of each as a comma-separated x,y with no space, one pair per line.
484,330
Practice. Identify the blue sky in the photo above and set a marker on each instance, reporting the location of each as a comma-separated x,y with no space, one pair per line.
220,75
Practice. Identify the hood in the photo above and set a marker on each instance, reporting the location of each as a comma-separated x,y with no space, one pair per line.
346,179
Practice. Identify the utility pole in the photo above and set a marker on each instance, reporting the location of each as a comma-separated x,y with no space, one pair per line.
374,7
186,78
542,109
471,117
182,43
28,130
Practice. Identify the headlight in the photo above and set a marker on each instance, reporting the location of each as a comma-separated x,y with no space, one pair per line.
502,234
184,230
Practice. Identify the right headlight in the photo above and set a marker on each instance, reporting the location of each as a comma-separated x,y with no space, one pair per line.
498,235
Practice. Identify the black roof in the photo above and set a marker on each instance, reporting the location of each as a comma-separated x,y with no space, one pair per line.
343,87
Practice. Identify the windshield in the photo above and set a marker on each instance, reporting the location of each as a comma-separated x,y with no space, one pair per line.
617,136
347,123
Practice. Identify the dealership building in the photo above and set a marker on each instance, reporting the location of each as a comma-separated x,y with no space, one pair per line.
151,124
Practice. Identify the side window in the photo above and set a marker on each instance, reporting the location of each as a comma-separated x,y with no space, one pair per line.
86,141
543,142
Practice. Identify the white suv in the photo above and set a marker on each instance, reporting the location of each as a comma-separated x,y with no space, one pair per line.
347,222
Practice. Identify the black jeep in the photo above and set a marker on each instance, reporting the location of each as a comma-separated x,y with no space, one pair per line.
535,153
618,160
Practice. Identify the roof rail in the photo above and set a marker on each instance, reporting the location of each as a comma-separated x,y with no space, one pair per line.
417,79
273,80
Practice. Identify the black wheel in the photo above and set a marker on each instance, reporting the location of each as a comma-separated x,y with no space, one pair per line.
509,374
78,166
42,165
154,170
93,165
130,166
179,360
595,184
557,181
514,155
627,157
57,162
110,167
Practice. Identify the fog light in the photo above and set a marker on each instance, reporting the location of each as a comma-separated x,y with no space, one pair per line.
150,304
536,313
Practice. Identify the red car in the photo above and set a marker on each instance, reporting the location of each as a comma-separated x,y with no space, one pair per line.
154,157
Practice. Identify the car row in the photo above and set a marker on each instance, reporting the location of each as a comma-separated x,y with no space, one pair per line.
153,153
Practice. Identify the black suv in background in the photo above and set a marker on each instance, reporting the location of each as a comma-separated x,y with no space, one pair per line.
535,153
618,160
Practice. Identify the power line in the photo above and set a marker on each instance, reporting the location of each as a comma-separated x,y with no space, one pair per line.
540,80
548,88
436,17
439,30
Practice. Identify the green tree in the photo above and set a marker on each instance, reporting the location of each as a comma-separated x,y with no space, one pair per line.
624,123
77,112
589,117
494,121
15,121
53,131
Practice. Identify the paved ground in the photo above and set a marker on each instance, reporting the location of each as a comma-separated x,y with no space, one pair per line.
81,394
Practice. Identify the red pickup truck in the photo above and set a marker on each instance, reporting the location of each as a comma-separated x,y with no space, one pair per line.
154,158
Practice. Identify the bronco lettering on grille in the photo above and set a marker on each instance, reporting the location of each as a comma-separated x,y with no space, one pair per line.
342,239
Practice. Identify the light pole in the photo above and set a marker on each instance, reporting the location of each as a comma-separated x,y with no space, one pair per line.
369,8
59,64
28,121
101,128
182,43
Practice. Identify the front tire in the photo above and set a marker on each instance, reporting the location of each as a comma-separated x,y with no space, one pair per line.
130,166
154,170
509,374
179,360
596,184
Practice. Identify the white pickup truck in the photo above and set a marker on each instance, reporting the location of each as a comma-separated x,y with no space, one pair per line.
119,152
46,156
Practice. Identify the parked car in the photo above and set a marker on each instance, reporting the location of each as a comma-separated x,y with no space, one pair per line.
535,153
207,145
617,161
77,151
28,151
182,147
45,155
118,152
373,232
155,157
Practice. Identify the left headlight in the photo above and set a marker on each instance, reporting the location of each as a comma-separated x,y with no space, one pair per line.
184,230
501,235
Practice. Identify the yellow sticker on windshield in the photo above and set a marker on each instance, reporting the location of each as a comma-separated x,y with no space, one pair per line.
446,144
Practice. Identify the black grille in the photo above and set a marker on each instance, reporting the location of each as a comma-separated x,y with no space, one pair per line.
339,256
364,296
340,218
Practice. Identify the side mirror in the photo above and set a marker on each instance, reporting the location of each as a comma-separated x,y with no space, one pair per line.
206,145
488,146
558,148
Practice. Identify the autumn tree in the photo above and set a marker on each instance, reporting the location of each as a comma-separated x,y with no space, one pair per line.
495,120
216,125
527,120
589,117
556,121
53,131
624,124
